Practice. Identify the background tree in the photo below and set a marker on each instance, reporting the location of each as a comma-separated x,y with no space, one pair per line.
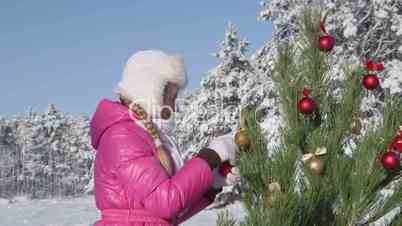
45,154
213,109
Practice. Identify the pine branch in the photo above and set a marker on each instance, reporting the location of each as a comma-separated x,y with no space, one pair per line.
350,187
225,219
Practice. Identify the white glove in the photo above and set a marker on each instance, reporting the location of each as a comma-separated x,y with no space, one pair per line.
225,147
231,179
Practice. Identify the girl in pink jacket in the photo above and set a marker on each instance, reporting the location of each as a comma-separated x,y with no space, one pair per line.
138,179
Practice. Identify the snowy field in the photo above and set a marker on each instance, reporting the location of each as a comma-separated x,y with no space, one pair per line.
78,212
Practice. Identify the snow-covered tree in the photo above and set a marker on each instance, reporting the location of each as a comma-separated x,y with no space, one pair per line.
8,158
214,108
363,30
51,154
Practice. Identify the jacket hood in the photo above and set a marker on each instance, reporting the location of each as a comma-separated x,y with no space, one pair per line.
107,113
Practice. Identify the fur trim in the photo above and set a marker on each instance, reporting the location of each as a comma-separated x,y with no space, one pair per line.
146,75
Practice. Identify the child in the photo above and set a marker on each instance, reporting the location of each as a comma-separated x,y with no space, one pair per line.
139,176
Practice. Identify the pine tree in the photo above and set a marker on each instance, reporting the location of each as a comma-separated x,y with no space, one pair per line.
279,188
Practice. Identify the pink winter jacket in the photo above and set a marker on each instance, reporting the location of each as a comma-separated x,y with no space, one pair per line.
131,186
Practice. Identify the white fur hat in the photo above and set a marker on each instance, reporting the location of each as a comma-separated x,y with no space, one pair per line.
145,76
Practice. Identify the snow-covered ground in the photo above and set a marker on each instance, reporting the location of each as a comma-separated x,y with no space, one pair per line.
79,212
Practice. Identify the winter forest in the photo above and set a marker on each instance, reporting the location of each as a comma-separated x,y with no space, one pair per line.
45,154
48,154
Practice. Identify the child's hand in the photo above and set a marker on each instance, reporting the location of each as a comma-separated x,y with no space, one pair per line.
225,147
232,178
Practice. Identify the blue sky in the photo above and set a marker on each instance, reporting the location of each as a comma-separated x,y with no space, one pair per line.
72,53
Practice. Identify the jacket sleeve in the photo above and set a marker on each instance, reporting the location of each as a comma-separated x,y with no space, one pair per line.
146,181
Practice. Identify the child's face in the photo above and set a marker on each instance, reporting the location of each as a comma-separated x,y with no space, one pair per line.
169,99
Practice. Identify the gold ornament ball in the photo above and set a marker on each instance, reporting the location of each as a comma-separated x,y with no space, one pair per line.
241,138
316,165
274,187
270,194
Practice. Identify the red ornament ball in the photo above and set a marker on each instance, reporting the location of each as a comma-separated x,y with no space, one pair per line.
371,81
327,43
397,144
306,105
390,160
225,169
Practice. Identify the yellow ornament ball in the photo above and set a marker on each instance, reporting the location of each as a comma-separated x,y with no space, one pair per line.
242,139
316,165
270,194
